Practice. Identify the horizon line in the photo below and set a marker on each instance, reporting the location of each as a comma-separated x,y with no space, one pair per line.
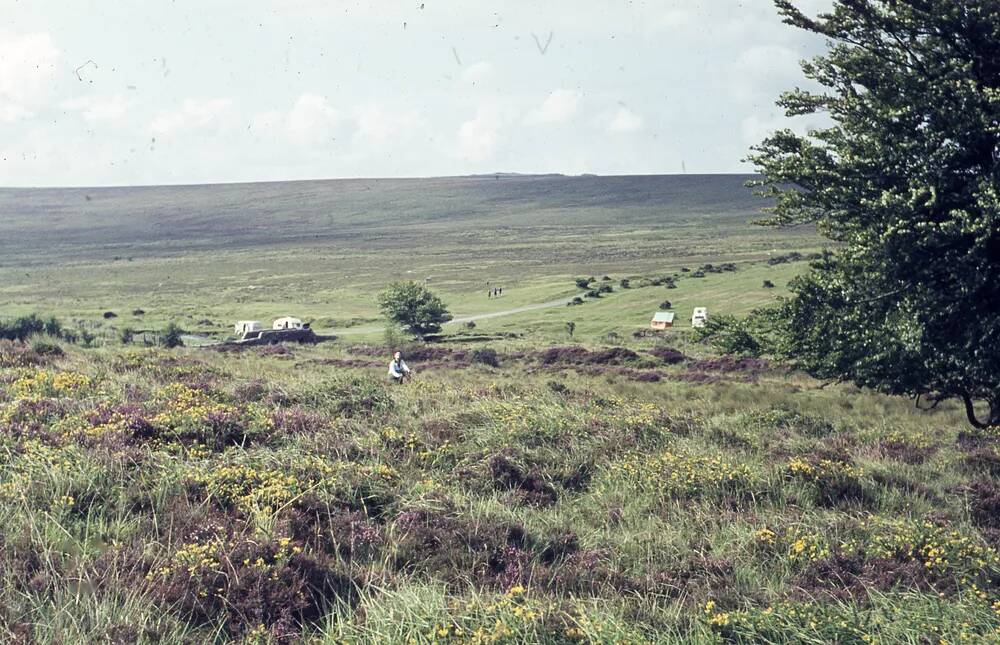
498,175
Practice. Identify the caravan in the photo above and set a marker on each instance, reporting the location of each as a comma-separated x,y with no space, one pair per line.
287,323
699,317
243,327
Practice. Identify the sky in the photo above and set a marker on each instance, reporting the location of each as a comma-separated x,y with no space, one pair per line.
104,92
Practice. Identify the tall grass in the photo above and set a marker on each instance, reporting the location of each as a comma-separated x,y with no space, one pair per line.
194,496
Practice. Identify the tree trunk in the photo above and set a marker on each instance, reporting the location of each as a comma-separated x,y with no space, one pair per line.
992,420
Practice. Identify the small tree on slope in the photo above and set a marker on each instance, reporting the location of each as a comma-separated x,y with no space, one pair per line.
413,307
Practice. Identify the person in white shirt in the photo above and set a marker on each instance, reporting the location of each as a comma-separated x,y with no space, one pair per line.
398,371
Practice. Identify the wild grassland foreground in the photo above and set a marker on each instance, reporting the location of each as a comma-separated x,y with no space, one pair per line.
569,495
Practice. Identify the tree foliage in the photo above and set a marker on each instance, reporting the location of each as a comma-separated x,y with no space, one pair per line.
905,179
172,336
413,307
733,335
24,326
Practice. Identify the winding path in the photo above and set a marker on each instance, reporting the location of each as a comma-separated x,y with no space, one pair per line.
374,329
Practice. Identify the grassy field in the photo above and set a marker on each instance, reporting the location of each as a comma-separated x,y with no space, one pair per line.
527,486
207,256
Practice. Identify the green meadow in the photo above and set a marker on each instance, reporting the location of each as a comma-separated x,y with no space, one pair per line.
204,257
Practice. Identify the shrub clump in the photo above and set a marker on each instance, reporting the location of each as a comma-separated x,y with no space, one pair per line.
18,354
486,356
581,356
730,364
668,355
687,476
833,481
507,474
190,416
248,584
441,542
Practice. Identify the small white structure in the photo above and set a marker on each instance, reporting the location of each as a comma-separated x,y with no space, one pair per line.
662,320
699,317
287,323
245,326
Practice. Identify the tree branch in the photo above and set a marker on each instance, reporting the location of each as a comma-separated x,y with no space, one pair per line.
970,412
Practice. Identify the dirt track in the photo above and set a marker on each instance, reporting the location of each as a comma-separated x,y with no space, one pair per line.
374,329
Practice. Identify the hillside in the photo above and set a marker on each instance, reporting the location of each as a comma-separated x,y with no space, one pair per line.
204,256
383,212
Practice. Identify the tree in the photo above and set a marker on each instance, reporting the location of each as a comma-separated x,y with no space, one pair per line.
172,336
905,179
53,327
24,326
414,307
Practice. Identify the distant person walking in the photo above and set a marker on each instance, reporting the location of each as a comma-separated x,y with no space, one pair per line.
398,371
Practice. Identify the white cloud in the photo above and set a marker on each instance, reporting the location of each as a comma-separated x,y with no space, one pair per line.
100,108
671,20
477,138
27,67
13,112
559,107
756,127
378,124
311,119
193,114
765,71
267,122
624,121
477,73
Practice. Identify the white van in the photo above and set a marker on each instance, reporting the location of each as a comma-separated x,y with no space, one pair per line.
243,327
699,317
287,323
